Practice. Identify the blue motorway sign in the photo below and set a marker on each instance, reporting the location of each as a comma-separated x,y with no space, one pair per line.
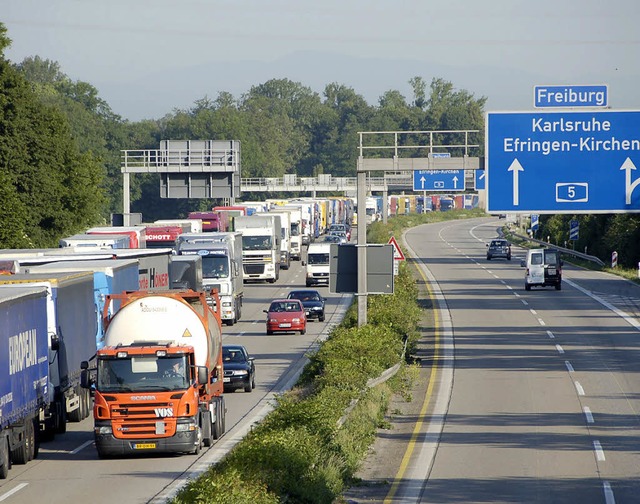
570,96
438,180
535,222
574,229
563,162
480,178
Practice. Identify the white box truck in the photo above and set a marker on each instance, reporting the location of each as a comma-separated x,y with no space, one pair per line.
261,236
285,237
221,268
317,264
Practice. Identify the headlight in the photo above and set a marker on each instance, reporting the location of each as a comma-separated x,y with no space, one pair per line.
186,424
226,304
240,372
295,320
103,429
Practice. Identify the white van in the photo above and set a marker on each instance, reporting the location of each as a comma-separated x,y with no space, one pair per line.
544,267
318,263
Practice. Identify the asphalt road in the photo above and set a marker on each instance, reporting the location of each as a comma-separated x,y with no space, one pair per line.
535,396
68,470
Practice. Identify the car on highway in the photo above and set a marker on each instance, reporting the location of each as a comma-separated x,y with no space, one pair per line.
340,227
239,369
286,315
334,238
312,302
341,234
498,248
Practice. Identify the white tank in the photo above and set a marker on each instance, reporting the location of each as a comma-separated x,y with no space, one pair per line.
159,318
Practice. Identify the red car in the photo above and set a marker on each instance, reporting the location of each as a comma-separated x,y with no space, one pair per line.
286,315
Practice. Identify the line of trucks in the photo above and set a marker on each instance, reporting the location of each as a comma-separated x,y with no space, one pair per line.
132,334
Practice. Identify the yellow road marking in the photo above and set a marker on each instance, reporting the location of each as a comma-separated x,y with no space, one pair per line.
427,400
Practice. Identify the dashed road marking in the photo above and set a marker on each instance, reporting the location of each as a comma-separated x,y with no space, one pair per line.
597,447
579,388
19,487
588,414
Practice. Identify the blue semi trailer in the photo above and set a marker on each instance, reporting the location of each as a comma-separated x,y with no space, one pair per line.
24,368
71,326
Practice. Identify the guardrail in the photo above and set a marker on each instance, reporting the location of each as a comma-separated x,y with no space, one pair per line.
566,251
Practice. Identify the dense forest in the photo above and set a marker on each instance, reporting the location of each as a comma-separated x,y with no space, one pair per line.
60,148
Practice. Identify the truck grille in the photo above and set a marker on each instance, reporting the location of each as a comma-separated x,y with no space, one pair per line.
254,269
132,420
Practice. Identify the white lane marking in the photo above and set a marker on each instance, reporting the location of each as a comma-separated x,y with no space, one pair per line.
241,333
81,447
524,302
559,349
495,276
588,414
541,322
255,321
569,366
599,451
608,493
631,320
515,293
509,287
550,334
533,311
579,388
19,487
503,282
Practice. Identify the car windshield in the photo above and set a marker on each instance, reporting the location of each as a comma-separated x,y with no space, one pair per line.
305,296
232,355
550,257
536,259
498,243
284,306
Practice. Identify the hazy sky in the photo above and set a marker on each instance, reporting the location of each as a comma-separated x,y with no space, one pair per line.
147,57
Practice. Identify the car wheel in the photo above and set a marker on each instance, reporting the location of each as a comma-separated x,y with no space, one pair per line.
248,387
321,318
304,331
558,286
488,258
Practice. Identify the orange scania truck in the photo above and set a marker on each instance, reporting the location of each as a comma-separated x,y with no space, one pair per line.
158,380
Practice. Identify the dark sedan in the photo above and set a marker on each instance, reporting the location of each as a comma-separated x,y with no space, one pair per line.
239,368
312,302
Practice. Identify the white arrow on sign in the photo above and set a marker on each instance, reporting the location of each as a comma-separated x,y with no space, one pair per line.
628,166
422,179
515,167
481,176
455,182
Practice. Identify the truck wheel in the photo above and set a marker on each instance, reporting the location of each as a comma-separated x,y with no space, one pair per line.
207,435
527,286
60,420
36,437
30,440
218,427
5,461
20,454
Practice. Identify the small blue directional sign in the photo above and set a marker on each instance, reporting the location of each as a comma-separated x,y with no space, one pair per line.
480,178
570,96
574,229
535,222
438,180
563,162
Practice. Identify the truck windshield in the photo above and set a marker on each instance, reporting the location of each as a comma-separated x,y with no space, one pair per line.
215,266
256,243
142,373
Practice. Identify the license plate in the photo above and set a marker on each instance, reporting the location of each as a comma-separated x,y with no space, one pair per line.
226,380
552,271
144,446
286,324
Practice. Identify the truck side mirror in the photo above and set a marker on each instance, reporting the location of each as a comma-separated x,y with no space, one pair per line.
304,263
523,263
55,342
203,375
85,379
